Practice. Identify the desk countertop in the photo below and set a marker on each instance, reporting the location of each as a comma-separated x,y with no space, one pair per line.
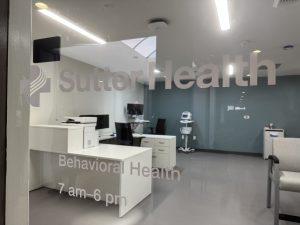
110,152
106,137
158,136
70,126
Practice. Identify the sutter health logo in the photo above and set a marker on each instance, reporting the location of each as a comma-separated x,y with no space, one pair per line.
38,83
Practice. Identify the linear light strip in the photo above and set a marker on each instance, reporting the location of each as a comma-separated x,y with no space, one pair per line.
223,14
72,26
230,69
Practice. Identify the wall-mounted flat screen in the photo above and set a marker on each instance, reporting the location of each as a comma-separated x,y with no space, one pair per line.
46,50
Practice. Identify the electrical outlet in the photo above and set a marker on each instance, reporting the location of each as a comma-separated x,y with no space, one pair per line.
194,138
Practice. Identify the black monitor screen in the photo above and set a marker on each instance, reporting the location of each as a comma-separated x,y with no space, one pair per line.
46,50
102,121
135,109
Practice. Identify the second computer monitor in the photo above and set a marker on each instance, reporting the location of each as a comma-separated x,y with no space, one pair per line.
135,109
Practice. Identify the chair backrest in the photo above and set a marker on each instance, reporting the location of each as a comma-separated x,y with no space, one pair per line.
124,134
288,152
160,126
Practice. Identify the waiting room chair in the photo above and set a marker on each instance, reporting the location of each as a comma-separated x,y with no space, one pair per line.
124,134
284,172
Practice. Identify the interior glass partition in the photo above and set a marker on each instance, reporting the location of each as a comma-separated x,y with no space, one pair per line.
155,112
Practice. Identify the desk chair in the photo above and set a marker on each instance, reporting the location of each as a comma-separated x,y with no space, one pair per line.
160,127
124,134
284,172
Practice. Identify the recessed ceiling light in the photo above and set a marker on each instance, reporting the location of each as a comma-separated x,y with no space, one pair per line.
243,92
41,5
156,71
257,51
230,70
248,75
71,25
101,81
223,14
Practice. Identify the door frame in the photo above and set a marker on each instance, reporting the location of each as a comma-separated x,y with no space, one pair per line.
4,14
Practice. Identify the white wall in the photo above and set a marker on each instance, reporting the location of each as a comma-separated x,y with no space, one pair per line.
57,104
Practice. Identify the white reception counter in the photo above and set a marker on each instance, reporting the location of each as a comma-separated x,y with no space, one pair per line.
120,171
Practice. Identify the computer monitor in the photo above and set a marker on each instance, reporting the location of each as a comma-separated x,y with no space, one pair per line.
46,50
135,109
102,121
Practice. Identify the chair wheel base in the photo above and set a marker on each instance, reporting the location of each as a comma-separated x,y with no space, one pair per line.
186,150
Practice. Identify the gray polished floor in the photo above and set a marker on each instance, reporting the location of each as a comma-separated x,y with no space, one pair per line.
215,189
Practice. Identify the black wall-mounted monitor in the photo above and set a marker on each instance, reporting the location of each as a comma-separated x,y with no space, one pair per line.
135,109
102,121
46,50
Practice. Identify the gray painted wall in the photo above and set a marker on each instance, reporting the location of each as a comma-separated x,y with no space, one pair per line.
219,129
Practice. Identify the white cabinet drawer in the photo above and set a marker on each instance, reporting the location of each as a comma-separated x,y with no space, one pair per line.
161,149
161,142
160,160
147,142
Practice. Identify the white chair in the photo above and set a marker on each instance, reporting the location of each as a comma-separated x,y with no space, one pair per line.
284,172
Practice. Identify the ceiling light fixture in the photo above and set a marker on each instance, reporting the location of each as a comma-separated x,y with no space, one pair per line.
223,14
156,71
230,70
41,5
248,75
257,51
72,26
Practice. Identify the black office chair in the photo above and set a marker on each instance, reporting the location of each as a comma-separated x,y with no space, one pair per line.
160,127
124,134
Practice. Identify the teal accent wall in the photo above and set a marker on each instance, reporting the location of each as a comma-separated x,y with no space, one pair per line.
217,128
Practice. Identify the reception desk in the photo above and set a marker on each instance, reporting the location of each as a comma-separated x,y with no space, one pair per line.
123,172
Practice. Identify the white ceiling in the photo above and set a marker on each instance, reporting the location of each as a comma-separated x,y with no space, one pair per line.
193,33
114,56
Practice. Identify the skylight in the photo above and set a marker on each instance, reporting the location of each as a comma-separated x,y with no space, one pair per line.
132,43
144,46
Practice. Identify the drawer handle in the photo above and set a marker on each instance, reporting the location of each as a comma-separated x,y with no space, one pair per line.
153,156
160,142
161,150
146,141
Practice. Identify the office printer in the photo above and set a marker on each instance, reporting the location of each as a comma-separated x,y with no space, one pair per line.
90,134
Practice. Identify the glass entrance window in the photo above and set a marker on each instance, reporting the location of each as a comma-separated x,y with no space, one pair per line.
160,112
